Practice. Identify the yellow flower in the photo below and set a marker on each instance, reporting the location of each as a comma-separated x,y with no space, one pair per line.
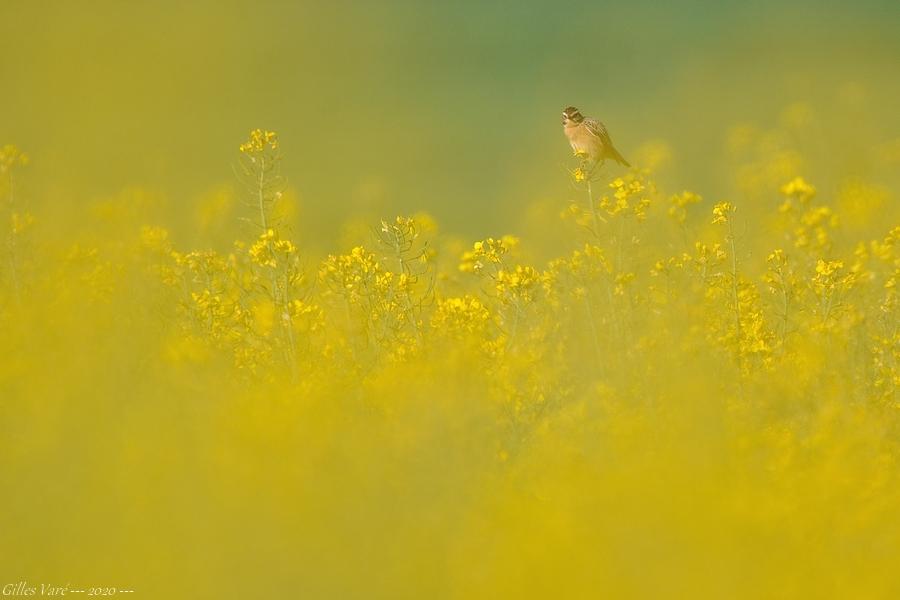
259,141
517,284
829,267
458,315
11,156
679,204
799,189
777,257
621,282
628,198
352,275
489,251
722,212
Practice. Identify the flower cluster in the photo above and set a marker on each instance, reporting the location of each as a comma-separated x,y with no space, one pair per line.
352,275
722,213
630,197
270,251
487,252
11,157
260,140
518,284
460,316
809,224
798,190
679,203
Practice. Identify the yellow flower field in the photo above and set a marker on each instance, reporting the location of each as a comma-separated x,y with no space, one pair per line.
624,389
690,399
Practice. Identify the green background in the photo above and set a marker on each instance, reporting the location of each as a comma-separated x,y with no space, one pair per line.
452,108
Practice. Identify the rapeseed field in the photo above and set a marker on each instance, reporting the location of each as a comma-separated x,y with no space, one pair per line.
622,389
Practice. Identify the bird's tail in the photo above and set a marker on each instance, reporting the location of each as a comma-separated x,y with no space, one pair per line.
614,154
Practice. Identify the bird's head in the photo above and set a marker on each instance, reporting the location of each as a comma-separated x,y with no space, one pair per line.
571,114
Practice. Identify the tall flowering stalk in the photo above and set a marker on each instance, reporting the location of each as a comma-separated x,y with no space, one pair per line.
782,283
722,215
749,337
515,287
260,172
277,258
582,176
401,237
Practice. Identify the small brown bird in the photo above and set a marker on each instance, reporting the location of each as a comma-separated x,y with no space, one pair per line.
589,138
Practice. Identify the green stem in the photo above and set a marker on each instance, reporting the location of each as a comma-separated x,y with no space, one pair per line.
594,215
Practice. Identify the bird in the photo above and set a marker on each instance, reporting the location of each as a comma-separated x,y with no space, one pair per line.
589,138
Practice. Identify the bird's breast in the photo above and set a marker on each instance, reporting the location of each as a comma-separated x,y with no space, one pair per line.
580,139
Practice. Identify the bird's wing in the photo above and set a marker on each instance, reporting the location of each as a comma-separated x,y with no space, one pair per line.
597,129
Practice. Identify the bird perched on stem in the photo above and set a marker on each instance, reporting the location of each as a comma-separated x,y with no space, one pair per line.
589,138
